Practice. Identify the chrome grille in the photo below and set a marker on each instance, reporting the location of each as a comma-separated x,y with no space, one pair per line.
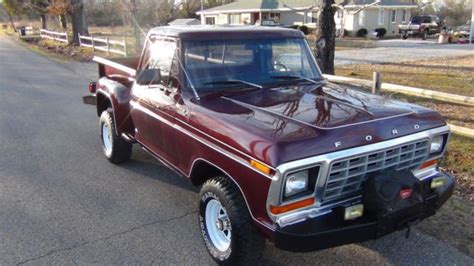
346,176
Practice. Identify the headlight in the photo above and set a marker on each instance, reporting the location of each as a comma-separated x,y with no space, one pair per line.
437,144
296,183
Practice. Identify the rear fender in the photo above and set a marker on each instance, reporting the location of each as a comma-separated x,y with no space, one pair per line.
112,94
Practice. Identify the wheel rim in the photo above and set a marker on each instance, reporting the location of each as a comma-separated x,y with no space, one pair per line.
218,225
106,138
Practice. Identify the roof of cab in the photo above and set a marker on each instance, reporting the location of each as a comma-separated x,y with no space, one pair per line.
203,32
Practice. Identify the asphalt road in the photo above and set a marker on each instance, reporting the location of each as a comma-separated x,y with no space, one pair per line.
61,202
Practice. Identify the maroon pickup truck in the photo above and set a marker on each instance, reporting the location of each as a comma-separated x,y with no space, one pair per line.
279,152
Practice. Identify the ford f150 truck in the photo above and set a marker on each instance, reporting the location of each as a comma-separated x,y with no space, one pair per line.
421,26
279,152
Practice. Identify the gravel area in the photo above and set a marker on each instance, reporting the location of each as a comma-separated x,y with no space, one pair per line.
390,51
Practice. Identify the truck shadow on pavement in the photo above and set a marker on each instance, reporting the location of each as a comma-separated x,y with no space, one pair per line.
146,165
392,249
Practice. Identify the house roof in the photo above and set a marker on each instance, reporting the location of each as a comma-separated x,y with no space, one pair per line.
287,5
385,3
261,5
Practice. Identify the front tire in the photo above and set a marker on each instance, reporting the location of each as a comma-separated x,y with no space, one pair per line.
226,225
116,149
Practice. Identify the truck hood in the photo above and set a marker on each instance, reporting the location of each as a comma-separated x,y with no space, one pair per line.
289,123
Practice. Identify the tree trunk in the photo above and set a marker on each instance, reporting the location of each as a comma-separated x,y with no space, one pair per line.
44,23
78,18
326,32
136,27
63,22
11,21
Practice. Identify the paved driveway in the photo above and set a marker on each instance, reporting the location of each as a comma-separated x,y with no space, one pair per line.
62,203
394,51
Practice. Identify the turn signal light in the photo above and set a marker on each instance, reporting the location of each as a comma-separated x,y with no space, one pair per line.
428,164
437,182
292,206
260,167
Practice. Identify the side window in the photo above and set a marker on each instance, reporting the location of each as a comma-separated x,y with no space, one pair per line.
160,56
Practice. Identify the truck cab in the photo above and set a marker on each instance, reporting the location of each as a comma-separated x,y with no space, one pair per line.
279,152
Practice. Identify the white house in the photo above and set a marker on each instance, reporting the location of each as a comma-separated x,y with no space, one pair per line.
353,14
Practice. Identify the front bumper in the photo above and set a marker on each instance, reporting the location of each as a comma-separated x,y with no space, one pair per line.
332,230
410,32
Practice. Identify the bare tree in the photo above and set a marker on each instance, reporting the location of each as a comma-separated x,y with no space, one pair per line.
12,8
326,37
78,19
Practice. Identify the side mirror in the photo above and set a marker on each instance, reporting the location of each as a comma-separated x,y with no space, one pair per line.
149,77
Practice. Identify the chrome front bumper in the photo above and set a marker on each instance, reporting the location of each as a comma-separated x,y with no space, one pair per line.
324,162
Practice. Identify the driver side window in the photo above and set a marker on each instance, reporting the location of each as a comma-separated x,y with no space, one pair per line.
161,53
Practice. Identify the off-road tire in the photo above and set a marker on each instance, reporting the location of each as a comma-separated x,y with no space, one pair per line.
246,244
121,150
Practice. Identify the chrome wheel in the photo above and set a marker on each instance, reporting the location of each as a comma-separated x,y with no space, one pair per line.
218,225
106,138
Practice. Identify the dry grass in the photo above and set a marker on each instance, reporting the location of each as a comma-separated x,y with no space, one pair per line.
453,223
454,75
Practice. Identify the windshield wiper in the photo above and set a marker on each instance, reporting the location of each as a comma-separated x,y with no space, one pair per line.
289,77
234,81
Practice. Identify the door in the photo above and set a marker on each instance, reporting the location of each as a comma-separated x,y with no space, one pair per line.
153,105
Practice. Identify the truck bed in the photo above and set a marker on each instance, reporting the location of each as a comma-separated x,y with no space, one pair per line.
122,70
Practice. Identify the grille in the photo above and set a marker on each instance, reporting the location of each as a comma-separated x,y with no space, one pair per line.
347,175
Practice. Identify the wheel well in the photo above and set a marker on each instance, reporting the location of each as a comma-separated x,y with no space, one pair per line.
203,171
102,104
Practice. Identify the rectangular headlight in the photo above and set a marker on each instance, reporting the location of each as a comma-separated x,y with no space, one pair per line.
437,144
300,183
296,183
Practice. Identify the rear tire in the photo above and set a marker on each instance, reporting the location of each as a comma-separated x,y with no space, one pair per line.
226,226
116,149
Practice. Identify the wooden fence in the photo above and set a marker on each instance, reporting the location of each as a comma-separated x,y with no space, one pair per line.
104,44
441,96
436,95
53,35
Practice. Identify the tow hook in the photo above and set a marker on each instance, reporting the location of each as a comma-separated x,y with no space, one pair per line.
408,227
407,233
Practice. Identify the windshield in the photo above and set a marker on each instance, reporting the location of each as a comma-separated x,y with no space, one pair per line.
219,64
419,20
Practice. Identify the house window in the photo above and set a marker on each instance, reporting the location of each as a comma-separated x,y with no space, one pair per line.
312,17
235,19
275,17
362,18
381,16
210,21
393,16
404,15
